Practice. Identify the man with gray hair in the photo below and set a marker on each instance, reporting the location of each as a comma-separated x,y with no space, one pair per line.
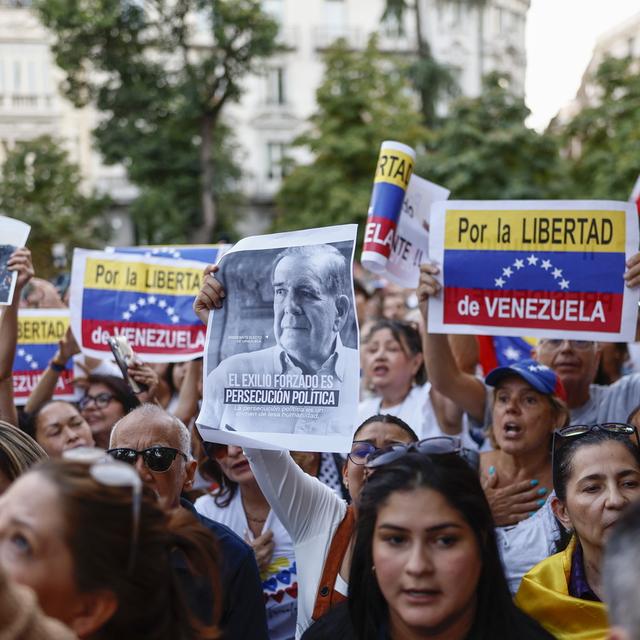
620,576
159,445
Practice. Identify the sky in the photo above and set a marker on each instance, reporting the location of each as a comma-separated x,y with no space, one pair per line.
560,38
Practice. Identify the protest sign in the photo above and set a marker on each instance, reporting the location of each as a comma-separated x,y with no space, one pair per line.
148,300
536,268
281,365
411,239
390,182
39,331
13,234
207,253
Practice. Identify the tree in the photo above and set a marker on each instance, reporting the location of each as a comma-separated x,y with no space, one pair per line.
432,80
161,84
40,186
605,137
362,100
483,150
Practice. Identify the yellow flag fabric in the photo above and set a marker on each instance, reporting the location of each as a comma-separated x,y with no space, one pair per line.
544,595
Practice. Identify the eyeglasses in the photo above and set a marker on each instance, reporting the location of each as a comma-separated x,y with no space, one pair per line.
577,345
157,459
360,451
112,473
429,446
101,401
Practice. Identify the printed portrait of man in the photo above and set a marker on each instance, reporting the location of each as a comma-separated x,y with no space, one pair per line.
311,304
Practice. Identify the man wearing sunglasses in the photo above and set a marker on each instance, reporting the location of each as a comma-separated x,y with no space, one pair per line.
159,445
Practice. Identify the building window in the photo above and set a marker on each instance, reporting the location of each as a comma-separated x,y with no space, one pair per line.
17,76
276,152
335,18
276,88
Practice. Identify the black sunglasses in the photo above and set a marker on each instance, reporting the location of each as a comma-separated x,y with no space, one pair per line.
429,446
570,433
156,459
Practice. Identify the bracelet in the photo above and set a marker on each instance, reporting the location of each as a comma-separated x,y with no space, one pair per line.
56,366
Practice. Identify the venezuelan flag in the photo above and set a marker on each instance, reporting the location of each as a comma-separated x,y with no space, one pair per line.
535,269
147,300
39,331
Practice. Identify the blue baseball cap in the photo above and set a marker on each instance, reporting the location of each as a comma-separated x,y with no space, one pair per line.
539,376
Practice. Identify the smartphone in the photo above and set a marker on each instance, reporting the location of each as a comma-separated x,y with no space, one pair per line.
123,355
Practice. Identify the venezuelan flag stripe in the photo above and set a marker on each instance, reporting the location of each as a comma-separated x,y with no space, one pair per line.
159,279
536,230
145,337
139,307
539,270
594,312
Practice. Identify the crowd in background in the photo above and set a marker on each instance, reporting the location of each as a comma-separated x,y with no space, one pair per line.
472,504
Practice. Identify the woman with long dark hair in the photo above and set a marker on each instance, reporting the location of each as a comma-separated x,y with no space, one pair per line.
596,474
425,562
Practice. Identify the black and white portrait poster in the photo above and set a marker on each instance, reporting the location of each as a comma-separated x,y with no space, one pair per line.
281,364
13,234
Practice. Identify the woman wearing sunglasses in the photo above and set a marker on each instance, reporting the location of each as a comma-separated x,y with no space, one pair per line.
425,562
393,367
100,554
596,474
239,504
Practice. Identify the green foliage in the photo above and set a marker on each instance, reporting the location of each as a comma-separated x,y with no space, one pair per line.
40,186
484,150
605,138
161,85
362,101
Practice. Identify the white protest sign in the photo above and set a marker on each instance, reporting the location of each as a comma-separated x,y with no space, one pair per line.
541,268
281,365
411,240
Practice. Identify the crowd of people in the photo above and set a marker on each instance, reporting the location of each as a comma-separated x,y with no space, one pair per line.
471,505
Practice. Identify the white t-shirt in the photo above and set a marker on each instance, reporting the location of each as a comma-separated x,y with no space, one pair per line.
527,543
280,580
417,411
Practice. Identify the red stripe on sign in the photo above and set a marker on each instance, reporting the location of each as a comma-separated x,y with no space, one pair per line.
24,382
534,309
145,337
378,235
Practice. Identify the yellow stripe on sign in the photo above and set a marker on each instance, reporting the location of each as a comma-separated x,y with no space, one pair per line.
117,275
41,329
539,230
394,167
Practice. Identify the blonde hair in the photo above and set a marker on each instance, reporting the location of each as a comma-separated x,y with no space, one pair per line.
18,451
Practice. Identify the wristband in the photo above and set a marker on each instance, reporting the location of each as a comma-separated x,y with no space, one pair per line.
56,366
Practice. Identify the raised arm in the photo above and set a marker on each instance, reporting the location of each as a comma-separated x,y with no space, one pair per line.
302,503
19,261
43,391
446,377
187,407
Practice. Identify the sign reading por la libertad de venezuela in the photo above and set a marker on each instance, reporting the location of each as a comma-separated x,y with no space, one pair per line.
539,268
144,298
